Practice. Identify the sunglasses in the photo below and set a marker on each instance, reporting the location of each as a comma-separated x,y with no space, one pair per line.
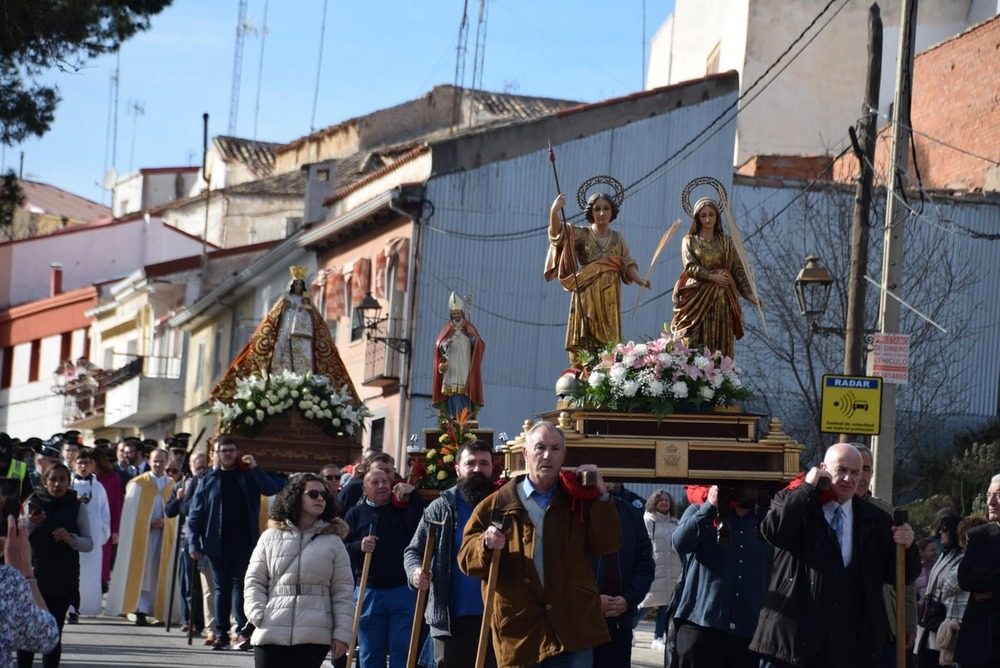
315,494
332,477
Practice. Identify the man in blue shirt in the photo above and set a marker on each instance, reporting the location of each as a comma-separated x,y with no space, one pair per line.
723,585
454,609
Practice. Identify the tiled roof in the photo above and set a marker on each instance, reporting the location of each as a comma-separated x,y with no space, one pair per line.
48,199
258,156
290,183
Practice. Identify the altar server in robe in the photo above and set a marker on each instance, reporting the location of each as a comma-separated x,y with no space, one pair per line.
92,495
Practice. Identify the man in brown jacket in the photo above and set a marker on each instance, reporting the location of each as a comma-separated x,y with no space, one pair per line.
546,610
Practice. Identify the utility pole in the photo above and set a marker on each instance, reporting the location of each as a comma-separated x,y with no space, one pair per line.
865,153
892,254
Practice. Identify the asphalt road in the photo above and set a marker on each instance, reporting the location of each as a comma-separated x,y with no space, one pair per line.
97,642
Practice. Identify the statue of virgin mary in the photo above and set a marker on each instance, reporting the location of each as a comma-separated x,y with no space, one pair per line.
293,336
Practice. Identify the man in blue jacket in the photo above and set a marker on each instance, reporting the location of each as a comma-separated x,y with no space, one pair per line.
224,524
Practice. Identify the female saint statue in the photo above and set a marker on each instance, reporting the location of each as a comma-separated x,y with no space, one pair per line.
706,296
293,336
591,263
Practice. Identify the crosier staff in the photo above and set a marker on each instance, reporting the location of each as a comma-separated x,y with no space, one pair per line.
562,212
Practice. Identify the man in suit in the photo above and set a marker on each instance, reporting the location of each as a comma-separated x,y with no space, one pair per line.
979,574
833,553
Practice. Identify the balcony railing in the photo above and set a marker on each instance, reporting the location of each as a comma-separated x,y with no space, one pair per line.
85,395
382,363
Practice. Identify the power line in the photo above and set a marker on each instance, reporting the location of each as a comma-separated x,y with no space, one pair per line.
941,141
319,67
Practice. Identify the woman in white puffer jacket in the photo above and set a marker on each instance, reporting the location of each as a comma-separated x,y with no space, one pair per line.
299,589
661,520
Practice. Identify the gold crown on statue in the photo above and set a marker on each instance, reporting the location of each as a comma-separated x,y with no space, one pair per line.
454,303
298,273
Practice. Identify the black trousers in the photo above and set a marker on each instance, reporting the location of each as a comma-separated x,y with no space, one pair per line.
286,656
617,652
58,608
703,647
460,648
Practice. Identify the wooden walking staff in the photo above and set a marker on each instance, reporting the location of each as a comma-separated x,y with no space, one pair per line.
900,516
502,522
418,613
361,594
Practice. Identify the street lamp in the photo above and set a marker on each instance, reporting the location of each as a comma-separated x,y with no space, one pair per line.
369,310
812,290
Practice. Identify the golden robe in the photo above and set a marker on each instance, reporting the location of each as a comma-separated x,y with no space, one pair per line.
593,272
280,341
709,313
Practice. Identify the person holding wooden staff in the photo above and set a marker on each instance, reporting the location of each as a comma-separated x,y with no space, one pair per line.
454,609
387,604
833,552
546,609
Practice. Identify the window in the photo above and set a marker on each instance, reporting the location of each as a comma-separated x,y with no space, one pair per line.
712,62
65,346
378,434
217,354
199,369
6,367
35,360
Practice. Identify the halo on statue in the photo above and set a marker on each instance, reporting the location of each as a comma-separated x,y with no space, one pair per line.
703,181
581,193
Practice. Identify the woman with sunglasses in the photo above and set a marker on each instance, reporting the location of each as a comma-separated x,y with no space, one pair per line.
299,589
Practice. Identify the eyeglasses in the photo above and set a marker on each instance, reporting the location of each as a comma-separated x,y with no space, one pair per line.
315,494
331,477
227,451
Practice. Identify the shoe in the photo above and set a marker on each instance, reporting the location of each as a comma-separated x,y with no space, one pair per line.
140,619
209,639
242,643
72,618
184,628
658,645
220,644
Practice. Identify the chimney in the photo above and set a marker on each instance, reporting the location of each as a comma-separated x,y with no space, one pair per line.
55,280
319,187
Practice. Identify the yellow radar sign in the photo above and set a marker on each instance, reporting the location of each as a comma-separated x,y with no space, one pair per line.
851,405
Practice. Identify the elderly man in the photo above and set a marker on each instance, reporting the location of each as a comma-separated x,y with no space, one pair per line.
383,525
454,610
979,574
824,606
547,610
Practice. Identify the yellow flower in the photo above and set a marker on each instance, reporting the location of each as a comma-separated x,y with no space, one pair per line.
431,468
431,454
448,459
442,475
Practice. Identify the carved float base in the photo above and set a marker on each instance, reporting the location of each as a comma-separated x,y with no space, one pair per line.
293,444
680,448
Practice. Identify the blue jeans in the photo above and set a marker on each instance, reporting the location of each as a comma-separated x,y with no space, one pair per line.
661,620
386,620
581,658
228,571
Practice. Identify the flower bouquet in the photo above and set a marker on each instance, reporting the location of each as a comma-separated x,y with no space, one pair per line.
661,377
440,461
260,398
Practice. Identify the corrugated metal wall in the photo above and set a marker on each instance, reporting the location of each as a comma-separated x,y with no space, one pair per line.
486,237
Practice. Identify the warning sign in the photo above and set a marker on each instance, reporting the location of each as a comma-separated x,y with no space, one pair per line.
851,405
890,358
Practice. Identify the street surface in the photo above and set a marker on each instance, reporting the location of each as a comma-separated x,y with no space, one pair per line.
97,642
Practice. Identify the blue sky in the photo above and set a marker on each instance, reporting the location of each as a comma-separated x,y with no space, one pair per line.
376,54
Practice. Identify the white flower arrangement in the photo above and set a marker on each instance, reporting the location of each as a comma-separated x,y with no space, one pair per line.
260,397
661,376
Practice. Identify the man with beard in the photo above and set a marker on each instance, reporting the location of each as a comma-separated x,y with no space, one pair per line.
454,609
458,359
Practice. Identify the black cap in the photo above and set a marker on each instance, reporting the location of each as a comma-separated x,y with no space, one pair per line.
72,437
31,443
133,440
7,446
102,443
149,444
55,441
179,442
48,448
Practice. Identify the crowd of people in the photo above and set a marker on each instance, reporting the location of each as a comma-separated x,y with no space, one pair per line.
553,568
